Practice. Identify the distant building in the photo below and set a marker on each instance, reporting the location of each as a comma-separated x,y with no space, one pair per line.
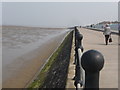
115,22
104,22
109,22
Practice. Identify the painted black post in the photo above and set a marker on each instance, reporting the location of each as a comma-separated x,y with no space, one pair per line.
78,45
79,41
75,30
92,62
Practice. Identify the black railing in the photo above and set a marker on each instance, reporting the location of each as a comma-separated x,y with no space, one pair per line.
91,61
79,75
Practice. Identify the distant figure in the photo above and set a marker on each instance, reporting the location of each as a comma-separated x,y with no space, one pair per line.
119,34
119,29
107,33
91,26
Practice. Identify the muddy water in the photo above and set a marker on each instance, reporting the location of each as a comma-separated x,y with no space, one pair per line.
25,50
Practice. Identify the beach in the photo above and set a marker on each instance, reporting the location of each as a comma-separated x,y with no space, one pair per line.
25,51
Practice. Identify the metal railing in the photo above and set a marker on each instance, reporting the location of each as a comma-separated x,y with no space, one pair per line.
79,72
88,65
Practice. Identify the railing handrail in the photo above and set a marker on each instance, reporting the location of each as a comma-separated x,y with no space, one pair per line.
91,61
79,74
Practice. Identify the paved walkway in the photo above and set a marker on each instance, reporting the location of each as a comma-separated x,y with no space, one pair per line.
95,40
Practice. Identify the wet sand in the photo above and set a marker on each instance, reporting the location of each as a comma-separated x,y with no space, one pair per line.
24,68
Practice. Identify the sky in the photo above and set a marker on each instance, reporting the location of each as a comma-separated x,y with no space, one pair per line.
119,11
58,14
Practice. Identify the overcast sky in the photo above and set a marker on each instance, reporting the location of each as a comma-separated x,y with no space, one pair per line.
59,14
119,11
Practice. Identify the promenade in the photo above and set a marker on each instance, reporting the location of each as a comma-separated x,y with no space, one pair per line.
95,40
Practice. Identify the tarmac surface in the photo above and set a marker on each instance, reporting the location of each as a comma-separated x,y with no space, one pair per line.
95,40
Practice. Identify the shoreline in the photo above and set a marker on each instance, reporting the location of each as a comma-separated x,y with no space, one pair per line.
29,69
30,27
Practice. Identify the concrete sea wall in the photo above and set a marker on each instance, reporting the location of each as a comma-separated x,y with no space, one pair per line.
54,73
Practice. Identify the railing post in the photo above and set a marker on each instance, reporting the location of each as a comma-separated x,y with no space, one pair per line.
75,28
79,41
92,62
78,50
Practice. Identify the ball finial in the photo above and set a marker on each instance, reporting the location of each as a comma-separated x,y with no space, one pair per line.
79,36
92,61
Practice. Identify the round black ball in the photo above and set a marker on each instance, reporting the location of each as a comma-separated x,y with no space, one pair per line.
92,61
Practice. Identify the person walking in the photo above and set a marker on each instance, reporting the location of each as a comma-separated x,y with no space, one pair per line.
107,33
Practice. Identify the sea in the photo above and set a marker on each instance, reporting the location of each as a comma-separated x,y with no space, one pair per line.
20,41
